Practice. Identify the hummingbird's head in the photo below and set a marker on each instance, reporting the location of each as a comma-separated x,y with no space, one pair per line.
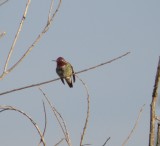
61,61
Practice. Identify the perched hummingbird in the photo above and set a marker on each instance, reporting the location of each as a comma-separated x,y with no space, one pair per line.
65,71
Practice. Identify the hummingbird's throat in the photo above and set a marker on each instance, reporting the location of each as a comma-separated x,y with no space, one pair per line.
61,64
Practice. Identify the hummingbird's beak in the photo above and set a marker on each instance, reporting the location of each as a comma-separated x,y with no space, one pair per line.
54,60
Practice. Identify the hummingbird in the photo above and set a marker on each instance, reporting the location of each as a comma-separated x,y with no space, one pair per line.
65,71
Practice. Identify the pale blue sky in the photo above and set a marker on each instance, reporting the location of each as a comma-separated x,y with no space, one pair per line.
86,33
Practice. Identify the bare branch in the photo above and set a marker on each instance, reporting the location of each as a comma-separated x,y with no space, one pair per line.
47,82
110,61
6,107
45,125
59,142
37,39
88,109
135,125
59,119
50,10
2,34
51,16
17,35
106,141
45,115
153,107
3,2
6,71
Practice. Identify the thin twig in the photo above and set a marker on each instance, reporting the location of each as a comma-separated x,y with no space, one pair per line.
45,125
135,125
157,118
45,115
59,142
50,18
153,107
3,3
49,81
2,34
106,141
6,107
17,35
112,60
58,117
88,110
50,10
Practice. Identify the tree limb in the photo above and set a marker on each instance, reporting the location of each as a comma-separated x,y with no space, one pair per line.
153,107
6,107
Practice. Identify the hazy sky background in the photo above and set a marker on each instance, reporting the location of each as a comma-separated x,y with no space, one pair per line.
85,33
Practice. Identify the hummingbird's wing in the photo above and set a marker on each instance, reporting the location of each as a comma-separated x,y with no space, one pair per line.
60,74
74,79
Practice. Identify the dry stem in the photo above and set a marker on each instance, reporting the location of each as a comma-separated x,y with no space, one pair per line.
3,2
106,141
59,119
59,142
2,34
6,107
17,35
45,125
88,110
135,125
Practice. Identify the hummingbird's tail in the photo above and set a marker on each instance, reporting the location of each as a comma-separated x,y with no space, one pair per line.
69,82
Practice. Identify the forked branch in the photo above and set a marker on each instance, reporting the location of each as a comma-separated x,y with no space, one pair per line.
59,118
47,26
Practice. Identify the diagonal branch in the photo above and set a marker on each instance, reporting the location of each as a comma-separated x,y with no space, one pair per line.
110,61
2,34
3,2
135,125
49,81
17,35
59,142
106,141
6,107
